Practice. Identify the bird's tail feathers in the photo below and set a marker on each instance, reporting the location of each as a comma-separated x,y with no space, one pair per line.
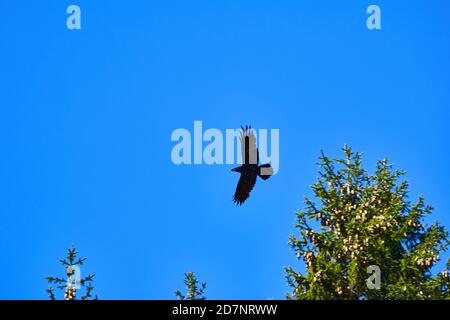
265,171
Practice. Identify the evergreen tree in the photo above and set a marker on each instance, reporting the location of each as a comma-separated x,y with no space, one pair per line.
194,291
359,220
69,284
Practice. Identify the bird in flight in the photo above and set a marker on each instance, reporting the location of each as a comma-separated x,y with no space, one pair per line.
250,168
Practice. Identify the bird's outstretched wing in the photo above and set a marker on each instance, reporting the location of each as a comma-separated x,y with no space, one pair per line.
249,150
245,185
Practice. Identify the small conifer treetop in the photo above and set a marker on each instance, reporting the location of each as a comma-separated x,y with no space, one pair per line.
194,291
73,280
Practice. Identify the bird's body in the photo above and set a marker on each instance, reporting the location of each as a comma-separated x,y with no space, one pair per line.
250,168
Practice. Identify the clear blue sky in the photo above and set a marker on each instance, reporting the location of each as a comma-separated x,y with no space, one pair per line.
86,118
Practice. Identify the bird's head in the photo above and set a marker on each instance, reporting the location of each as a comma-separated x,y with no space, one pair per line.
237,169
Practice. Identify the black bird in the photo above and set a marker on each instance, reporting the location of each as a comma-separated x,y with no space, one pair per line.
250,168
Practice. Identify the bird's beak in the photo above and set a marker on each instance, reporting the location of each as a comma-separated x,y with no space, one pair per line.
235,169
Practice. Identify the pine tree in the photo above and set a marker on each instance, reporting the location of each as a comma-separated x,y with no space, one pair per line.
70,284
359,220
194,292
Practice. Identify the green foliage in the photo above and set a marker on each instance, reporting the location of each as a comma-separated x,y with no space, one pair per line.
360,219
68,284
194,292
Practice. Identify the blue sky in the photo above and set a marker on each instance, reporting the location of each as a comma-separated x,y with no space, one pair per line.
86,118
